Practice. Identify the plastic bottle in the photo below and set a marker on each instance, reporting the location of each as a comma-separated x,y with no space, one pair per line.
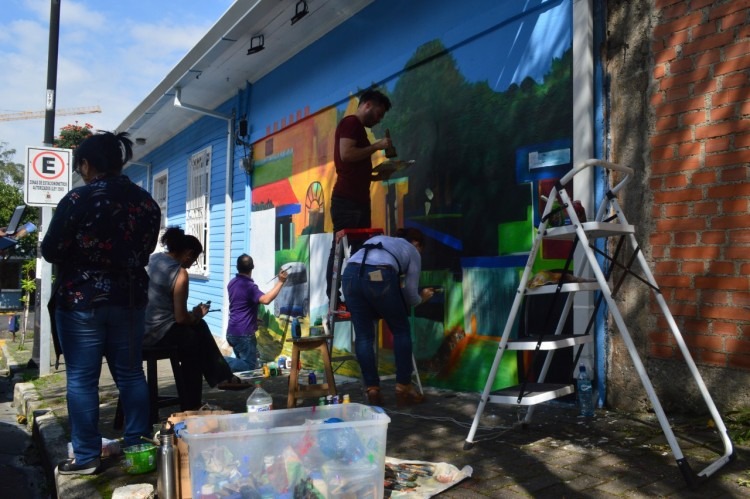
259,400
311,379
296,328
166,464
585,394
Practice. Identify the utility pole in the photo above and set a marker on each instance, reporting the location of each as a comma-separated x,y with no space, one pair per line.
43,334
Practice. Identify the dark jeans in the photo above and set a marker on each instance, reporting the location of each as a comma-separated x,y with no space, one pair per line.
245,352
200,358
345,214
370,300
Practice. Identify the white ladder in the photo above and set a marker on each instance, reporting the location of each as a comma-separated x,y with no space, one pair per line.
609,222
344,240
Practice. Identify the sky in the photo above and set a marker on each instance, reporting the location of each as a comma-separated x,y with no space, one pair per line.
111,54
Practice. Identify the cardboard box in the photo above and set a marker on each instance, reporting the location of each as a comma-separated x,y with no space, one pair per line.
334,450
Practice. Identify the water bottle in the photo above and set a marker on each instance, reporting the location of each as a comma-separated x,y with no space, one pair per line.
585,394
259,400
166,463
296,328
311,379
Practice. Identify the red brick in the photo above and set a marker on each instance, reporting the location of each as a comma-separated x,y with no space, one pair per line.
663,4
677,93
660,238
739,236
738,346
659,71
730,221
702,30
659,153
666,55
732,20
745,269
730,96
704,64
739,361
744,139
695,253
723,113
713,237
666,123
683,106
666,267
736,253
680,66
710,296
704,87
684,22
656,211
694,326
658,251
736,50
741,299
699,4
685,294
678,196
717,144
657,99
660,351
712,343
692,267
711,42
726,313
719,129
734,174
730,283
685,238
729,191
675,11
676,210
681,309
725,328
702,178
727,159
735,80
706,208
734,206
697,75
732,65
675,181
693,118
655,183
712,358
727,8
677,165
674,281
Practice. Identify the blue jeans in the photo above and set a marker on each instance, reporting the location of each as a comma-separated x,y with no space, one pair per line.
86,336
369,301
245,351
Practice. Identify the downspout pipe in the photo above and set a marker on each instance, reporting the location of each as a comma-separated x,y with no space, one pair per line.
229,176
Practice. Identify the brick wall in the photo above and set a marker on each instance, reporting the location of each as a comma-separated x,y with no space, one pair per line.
699,155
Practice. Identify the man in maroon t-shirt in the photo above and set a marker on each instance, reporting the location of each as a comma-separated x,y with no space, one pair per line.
352,151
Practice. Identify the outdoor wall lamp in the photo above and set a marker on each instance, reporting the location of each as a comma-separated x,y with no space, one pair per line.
300,13
256,44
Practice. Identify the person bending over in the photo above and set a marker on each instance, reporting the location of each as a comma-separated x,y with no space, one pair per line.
372,286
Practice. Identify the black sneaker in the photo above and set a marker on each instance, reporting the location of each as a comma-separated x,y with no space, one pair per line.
70,467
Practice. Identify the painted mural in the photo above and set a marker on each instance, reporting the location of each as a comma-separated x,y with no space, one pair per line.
485,151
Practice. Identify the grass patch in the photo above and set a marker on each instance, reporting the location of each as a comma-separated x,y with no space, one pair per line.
738,426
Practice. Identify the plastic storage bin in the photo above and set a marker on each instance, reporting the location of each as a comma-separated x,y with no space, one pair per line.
336,450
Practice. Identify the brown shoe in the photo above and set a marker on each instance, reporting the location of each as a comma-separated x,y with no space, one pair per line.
374,397
407,395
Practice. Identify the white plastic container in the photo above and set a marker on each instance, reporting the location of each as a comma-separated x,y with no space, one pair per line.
339,450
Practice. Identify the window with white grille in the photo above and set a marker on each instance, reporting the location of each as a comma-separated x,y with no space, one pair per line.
196,216
159,193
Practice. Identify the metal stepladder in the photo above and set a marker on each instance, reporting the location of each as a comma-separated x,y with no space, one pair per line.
347,242
610,222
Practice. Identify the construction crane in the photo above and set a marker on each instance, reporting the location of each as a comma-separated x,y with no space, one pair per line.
32,115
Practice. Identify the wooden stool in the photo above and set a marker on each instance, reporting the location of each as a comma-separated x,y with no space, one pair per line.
297,391
151,355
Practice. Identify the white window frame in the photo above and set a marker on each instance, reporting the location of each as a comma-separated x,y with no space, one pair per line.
197,205
160,193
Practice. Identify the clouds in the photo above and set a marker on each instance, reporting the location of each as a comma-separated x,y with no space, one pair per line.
110,54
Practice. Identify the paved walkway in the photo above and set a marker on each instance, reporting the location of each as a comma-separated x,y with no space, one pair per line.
557,455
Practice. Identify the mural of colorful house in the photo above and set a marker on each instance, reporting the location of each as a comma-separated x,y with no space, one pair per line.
238,148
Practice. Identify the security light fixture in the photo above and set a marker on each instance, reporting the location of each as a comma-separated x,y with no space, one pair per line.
256,44
300,11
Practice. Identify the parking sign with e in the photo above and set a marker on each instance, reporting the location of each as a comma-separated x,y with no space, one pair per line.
48,175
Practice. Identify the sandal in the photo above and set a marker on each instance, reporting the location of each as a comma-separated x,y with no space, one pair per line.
374,397
234,383
407,395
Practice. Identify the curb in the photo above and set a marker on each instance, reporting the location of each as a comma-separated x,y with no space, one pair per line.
48,434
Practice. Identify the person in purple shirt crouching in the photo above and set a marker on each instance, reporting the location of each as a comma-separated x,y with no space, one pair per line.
244,297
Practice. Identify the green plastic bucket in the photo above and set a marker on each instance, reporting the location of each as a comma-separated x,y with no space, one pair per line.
140,458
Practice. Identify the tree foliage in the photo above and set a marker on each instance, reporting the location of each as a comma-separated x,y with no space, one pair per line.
73,134
10,172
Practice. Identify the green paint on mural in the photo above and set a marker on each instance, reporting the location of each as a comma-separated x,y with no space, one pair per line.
272,169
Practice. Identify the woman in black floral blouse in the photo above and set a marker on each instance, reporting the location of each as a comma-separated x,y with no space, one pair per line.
100,237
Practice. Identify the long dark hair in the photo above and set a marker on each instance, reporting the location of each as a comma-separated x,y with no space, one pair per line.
105,152
176,241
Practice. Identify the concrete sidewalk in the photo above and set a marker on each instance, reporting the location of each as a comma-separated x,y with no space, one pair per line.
558,455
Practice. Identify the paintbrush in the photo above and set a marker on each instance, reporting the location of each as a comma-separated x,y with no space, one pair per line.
277,275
